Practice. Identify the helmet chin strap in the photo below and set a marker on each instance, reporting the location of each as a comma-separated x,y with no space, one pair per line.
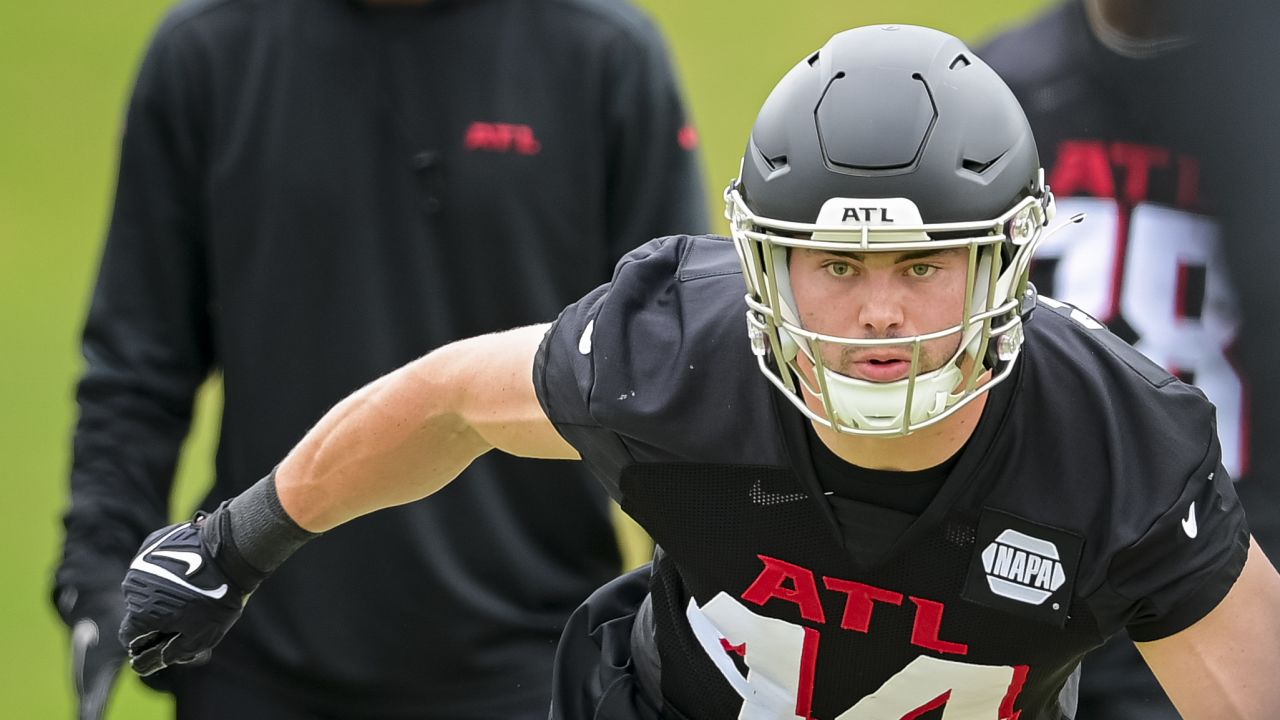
881,405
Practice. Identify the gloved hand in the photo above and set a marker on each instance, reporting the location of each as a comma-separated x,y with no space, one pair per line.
96,658
183,591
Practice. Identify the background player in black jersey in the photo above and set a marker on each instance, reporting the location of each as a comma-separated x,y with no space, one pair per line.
1072,488
1108,87
312,193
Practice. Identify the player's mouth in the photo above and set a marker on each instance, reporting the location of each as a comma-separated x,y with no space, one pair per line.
881,367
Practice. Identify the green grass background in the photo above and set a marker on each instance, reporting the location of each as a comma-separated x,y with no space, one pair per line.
65,72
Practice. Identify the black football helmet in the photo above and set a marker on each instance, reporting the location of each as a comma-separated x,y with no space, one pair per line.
890,138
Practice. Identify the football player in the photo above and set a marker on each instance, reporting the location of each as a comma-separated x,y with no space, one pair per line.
1109,90
887,482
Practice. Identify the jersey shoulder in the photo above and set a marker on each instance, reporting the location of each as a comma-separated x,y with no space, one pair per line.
1083,370
1122,436
660,356
1128,458
195,16
1050,46
611,19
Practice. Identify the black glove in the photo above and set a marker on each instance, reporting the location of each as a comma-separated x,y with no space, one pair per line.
183,591
96,658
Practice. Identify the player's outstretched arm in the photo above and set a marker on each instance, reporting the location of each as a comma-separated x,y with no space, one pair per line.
409,433
1223,667
400,438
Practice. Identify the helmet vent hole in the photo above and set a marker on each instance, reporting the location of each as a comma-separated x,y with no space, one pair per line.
776,162
978,166
959,62
813,59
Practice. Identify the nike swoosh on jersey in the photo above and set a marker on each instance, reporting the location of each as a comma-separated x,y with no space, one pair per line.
760,496
140,564
1189,523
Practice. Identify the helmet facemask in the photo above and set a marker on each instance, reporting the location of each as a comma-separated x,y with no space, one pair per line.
989,334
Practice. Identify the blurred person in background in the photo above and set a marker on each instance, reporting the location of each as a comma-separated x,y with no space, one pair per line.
1119,95
312,193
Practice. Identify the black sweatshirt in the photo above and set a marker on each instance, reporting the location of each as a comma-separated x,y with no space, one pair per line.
313,193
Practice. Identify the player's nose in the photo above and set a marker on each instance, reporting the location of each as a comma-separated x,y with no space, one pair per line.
880,311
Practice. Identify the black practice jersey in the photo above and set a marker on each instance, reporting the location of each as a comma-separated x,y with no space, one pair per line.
313,193
1090,499
1121,139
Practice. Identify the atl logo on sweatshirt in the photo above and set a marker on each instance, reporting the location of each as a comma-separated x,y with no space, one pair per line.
502,138
1023,567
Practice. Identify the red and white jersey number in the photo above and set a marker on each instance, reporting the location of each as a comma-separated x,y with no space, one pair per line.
781,658
1155,275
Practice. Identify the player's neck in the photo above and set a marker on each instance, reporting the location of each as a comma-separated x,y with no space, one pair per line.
1136,29
924,448
1138,19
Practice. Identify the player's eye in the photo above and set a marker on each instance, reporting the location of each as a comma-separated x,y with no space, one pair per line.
839,268
922,270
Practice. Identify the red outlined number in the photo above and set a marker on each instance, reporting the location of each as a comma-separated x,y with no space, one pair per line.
781,659
1155,275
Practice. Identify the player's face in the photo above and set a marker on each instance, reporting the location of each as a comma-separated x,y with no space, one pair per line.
881,295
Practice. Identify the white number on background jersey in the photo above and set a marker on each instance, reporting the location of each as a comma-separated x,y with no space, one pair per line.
1162,244
781,659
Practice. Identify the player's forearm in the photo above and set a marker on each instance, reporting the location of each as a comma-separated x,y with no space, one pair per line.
394,441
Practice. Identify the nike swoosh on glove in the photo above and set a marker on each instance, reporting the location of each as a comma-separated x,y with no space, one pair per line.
96,662
96,658
180,598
